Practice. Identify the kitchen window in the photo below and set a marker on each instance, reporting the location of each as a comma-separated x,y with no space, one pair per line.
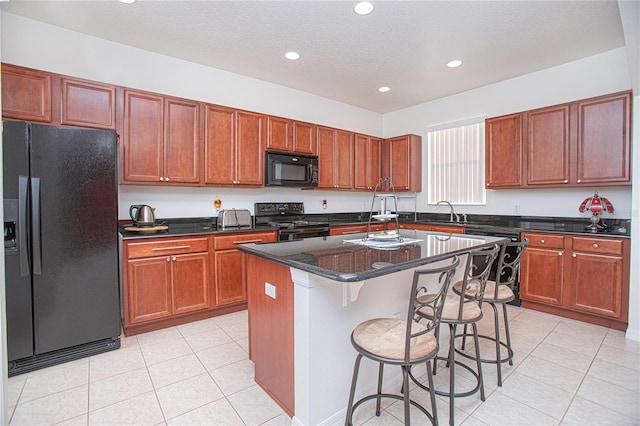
455,162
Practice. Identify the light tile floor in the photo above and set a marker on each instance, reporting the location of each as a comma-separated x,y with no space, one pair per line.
565,372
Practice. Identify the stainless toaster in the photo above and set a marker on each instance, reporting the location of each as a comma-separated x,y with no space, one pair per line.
234,219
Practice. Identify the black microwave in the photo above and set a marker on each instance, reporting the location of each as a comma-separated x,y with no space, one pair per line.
289,169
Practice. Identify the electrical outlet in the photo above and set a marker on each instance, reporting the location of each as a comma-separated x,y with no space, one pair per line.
516,208
270,290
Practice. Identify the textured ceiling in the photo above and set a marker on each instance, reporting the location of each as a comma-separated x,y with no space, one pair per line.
402,44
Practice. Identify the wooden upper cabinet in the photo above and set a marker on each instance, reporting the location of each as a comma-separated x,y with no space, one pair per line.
87,104
548,145
234,146
219,145
182,141
325,148
304,138
160,139
343,160
367,166
604,140
251,131
404,162
574,144
26,94
335,158
279,134
503,151
142,146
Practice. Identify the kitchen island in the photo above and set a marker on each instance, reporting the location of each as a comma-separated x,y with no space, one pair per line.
305,298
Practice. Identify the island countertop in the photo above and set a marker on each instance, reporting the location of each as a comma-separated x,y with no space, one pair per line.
349,259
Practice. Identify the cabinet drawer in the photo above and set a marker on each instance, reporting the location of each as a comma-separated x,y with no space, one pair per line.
597,245
545,240
166,247
232,241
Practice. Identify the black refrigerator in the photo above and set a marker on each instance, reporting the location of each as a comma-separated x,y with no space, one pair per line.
60,243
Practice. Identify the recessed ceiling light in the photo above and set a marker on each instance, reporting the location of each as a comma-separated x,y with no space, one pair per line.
292,55
363,8
384,89
454,63
127,1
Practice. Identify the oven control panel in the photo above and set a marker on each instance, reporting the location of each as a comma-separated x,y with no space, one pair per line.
271,209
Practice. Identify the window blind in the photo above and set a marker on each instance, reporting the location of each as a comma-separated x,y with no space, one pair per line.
456,164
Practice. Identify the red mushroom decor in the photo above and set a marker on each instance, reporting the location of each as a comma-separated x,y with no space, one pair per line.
596,205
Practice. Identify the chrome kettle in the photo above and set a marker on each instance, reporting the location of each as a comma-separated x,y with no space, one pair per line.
144,215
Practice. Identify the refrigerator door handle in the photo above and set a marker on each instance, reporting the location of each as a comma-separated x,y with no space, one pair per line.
23,247
37,238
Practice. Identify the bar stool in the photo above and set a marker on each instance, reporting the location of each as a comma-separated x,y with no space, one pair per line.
405,343
463,309
500,291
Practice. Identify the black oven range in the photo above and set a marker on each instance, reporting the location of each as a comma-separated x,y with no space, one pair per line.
288,219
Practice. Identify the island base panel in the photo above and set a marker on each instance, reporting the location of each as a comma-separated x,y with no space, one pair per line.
271,329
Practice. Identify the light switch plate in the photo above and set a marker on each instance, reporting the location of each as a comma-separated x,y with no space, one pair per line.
270,290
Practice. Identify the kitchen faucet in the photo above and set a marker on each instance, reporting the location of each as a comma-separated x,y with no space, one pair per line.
451,208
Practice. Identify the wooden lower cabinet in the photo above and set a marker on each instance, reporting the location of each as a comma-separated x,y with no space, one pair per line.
228,264
434,228
580,277
354,229
164,278
175,280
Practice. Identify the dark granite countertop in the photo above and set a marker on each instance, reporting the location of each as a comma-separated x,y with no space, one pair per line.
183,227
494,223
333,258
500,223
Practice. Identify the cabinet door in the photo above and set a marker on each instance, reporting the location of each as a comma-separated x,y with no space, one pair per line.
604,128
326,138
367,152
88,104
182,141
304,138
148,290
219,145
343,159
142,139
503,151
190,282
542,275
249,155
26,94
231,284
597,284
404,162
279,134
548,146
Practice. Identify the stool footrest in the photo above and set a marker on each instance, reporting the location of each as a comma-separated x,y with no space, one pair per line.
394,396
508,358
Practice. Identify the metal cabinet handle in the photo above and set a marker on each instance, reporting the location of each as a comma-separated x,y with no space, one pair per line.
566,181
161,179
351,232
579,181
170,248
488,184
168,259
166,179
541,241
248,241
174,258
574,255
595,245
559,253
